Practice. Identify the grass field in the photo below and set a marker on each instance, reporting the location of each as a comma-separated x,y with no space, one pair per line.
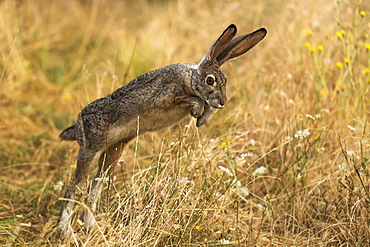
285,163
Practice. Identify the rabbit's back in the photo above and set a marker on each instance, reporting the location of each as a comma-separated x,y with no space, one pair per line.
147,103
152,90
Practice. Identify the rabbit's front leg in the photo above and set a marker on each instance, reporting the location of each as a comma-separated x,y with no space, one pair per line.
196,105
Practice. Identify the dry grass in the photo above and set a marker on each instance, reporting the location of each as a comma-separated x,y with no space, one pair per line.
186,186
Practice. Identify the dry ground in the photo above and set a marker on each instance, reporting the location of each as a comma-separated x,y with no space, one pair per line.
286,163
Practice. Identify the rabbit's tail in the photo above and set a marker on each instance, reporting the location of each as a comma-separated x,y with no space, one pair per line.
69,134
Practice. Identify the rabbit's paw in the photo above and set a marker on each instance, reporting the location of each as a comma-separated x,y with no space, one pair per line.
196,105
197,110
207,114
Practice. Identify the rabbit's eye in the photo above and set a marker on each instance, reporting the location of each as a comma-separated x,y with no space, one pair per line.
210,80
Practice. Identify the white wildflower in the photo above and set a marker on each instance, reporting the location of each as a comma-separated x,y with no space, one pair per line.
80,222
225,170
173,143
352,154
310,116
259,170
103,180
176,226
265,107
253,142
58,185
224,241
343,167
238,183
325,110
244,155
364,142
291,6
184,180
302,134
244,191
212,140
283,94
321,150
351,128
328,61
219,196
247,156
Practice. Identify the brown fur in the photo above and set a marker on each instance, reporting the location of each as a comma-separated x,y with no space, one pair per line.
153,101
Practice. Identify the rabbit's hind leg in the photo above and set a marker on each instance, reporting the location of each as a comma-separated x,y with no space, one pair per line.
106,163
85,162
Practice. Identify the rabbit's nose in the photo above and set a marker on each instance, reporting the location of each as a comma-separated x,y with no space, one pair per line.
221,105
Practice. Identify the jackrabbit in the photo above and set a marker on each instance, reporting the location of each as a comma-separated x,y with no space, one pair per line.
153,101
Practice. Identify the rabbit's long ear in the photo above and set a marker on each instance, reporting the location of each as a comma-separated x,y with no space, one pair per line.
240,45
218,46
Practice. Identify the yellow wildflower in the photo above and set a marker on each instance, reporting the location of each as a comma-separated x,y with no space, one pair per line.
340,87
366,71
227,140
339,64
340,34
320,47
313,49
197,227
362,13
307,44
323,93
223,144
308,33
367,46
67,96
346,60
73,166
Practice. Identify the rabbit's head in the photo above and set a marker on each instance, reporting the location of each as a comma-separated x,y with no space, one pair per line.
209,83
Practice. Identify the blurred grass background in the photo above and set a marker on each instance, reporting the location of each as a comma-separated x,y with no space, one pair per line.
285,163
